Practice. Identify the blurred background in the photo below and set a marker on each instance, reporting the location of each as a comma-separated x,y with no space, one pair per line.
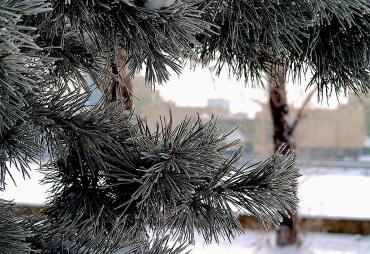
331,138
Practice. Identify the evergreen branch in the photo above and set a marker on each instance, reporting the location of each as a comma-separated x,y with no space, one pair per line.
330,37
20,77
12,235
74,57
267,191
179,171
339,54
161,37
185,176
14,35
162,244
19,146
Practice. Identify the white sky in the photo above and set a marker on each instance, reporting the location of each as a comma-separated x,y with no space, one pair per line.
195,87
27,191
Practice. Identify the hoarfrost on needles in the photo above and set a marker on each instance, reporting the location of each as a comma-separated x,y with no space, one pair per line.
158,4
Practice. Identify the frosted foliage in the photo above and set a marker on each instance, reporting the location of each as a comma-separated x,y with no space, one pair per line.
158,4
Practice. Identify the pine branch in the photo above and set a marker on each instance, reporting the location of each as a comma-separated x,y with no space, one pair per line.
161,36
330,37
20,77
185,176
266,191
19,146
74,56
269,190
340,54
179,171
12,235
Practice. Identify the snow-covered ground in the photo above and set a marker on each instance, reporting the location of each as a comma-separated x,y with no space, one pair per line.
335,196
257,242
253,242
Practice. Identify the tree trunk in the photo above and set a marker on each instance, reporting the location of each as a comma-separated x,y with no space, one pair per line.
287,233
118,86
124,91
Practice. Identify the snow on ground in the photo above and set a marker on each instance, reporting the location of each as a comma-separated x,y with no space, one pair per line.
253,242
320,171
258,242
335,196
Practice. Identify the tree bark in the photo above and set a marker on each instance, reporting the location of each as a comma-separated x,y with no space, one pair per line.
118,86
287,233
124,90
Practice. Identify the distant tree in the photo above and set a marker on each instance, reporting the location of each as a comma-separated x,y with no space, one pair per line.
114,182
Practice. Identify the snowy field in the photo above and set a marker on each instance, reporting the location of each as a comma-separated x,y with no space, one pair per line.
256,242
264,243
338,195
